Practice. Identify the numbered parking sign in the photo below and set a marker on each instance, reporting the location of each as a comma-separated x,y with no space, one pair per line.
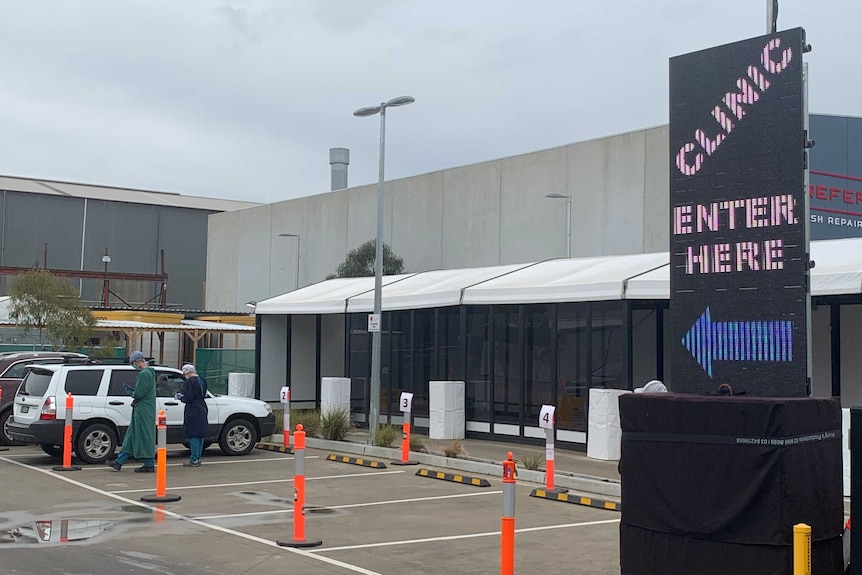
285,395
406,402
546,417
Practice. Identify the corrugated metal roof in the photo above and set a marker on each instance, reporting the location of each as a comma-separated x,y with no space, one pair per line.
114,194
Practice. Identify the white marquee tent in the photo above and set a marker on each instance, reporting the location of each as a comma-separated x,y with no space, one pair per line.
837,271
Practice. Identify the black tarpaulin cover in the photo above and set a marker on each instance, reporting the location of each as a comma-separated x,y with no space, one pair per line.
719,482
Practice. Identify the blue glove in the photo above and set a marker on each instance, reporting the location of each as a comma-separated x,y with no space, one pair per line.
178,397
128,390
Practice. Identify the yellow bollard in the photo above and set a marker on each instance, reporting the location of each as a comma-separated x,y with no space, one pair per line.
801,549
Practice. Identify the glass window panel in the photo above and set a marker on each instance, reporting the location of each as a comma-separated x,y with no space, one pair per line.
508,379
572,348
607,346
360,361
478,384
423,343
538,334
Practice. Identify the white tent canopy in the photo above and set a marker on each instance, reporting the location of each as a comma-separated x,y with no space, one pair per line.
837,271
583,279
439,288
326,297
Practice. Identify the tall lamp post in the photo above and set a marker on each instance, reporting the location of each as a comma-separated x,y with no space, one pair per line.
106,289
374,411
568,199
298,240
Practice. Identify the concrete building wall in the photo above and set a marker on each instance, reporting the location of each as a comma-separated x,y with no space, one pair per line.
485,214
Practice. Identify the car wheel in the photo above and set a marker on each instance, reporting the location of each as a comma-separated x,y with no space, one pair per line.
96,443
237,438
4,437
52,450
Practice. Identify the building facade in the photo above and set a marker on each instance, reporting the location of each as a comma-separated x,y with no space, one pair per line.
66,226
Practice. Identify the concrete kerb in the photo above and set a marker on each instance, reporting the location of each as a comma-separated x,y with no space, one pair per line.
588,484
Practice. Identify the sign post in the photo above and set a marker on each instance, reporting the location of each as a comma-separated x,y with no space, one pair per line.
406,404
285,401
546,422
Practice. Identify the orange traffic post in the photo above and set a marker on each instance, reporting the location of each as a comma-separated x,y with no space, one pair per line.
299,539
1,403
546,421
406,409
67,438
507,547
161,465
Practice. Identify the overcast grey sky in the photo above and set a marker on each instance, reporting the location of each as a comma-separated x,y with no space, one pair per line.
242,99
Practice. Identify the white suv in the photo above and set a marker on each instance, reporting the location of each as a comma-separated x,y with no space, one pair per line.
102,411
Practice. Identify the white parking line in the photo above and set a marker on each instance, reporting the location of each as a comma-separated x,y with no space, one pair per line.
289,479
352,505
220,462
174,515
467,536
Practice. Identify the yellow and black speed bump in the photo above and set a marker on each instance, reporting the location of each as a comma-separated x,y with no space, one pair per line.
357,461
274,447
576,499
476,481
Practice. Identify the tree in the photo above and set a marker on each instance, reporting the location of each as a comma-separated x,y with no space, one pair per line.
359,263
50,305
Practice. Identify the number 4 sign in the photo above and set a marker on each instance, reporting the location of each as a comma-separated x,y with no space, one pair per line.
285,395
406,402
546,417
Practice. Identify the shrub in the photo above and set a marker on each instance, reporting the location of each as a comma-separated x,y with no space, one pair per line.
310,420
386,435
418,443
455,448
532,461
335,424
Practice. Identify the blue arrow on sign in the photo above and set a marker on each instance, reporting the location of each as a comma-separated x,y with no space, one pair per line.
709,341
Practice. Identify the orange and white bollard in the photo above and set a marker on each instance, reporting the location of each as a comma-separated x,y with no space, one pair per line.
161,465
507,542
1,402
546,421
406,404
299,539
285,401
67,438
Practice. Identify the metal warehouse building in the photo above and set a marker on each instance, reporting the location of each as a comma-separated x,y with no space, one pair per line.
69,226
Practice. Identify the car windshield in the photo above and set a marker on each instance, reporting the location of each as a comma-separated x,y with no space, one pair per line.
36,382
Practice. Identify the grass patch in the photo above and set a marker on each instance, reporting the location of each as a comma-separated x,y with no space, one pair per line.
455,448
532,461
418,443
386,435
335,424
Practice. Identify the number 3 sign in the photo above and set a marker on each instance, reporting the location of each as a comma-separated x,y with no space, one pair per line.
406,402
546,417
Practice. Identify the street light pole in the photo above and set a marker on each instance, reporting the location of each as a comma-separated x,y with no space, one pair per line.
298,251
568,199
376,336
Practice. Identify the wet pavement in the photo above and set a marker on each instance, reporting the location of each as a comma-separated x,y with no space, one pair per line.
371,521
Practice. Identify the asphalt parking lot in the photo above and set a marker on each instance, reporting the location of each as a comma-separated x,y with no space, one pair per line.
371,521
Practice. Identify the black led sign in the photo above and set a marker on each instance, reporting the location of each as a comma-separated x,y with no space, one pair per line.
738,218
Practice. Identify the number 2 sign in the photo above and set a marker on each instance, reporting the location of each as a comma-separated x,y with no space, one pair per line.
406,402
546,417
284,396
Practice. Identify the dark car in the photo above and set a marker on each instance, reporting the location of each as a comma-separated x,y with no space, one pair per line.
13,367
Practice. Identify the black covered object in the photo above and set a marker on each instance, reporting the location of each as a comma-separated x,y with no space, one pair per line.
715,484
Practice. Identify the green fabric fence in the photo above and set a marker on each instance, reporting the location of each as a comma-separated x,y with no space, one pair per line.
215,364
